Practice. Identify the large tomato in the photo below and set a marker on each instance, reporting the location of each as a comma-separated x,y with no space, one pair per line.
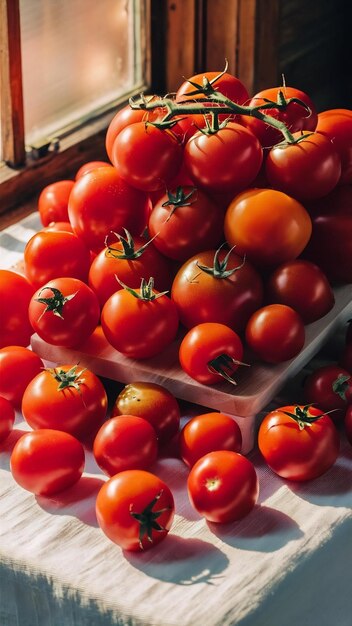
330,388
53,202
308,169
7,418
299,446
223,486
217,286
295,116
338,128
275,333
101,201
15,295
47,461
268,226
135,509
206,433
18,366
66,398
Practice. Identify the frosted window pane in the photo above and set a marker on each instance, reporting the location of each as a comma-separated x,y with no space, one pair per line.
77,55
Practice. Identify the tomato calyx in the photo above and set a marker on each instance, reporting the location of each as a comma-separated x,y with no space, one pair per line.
341,385
71,378
179,198
147,520
302,417
223,365
128,245
219,269
146,291
56,302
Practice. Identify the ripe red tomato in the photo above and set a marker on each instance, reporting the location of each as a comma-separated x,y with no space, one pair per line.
53,202
208,433
88,167
297,448
268,238
210,353
223,486
121,119
47,461
275,333
15,295
348,423
135,509
184,223
295,116
214,294
154,403
7,418
304,287
149,323
101,202
227,161
51,254
228,85
66,226
125,442
304,170
18,366
64,312
66,398
338,128
147,157
325,388
130,261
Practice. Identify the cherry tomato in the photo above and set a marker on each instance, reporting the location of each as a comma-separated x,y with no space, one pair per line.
207,433
125,442
146,157
53,202
149,322
348,423
275,333
66,398
304,170
295,116
7,418
88,167
121,119
298,448
330,388
154,403
47,461
18,366
135,509
51,254
268,238
210,353
15,295
101,201
304,287
338,128
64,312
223,486
217,286
226,161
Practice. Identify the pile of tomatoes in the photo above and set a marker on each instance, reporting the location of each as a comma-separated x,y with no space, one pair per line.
222,221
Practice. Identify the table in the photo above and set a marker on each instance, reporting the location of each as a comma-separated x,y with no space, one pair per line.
287,562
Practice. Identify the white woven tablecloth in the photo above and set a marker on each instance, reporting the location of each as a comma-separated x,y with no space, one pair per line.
288,563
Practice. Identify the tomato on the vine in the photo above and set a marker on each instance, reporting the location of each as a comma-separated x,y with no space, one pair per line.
53,202
15,295
121,119
206,433
223,82
18,366
275,333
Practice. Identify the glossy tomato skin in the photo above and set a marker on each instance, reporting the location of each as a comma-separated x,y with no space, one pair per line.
7,418
294,453
79,315
66,226
52,254
18,366
125,442
15,295
227,161
182,231
228,85
147,157
338,128
77,411
101,202
204,343
129,492
275,333
304,287
153,403
88,167
53,202
223,486
47,461
206,433
268,226
200,297
106,266
348,423
136,328
121,119
318,390
294,116
305,170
